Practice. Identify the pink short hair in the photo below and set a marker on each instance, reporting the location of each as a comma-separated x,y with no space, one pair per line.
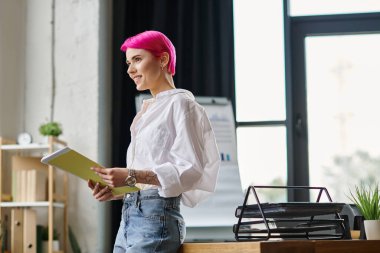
156,43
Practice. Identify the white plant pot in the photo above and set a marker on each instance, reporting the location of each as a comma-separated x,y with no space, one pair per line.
372,229
45,246
45,140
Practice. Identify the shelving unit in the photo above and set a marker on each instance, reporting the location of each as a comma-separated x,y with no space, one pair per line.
55,199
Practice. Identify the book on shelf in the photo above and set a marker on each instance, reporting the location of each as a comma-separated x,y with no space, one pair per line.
16,185
23,184
77,164
36,185
29,179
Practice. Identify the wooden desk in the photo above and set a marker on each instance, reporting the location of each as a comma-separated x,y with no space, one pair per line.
289,246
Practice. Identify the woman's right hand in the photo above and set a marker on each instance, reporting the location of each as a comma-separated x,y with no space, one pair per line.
101,193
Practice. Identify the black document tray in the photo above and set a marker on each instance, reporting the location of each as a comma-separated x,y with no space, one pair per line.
294,230
290,209
302,226
309,220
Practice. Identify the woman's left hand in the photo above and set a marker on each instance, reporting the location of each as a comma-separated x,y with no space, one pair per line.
114,177
101,193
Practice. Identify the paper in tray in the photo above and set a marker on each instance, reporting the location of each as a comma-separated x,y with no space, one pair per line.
290,209
297,229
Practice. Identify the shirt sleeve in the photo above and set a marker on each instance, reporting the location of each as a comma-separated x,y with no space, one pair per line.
193,164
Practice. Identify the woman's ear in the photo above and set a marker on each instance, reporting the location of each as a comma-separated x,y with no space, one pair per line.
164,59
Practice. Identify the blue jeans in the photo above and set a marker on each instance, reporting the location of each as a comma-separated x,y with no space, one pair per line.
150,223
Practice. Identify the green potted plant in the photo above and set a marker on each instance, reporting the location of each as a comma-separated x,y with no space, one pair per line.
45,239
367,200
51,129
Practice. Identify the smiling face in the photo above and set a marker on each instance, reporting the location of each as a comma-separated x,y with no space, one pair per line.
144,69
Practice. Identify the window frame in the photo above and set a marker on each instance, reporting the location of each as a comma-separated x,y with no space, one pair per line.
296,30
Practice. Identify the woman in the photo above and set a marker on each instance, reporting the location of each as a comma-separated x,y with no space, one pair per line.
172,156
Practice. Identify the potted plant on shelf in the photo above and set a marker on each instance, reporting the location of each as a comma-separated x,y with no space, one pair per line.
45,238
51,129
367,200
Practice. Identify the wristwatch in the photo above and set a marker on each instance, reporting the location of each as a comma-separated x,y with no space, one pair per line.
131,179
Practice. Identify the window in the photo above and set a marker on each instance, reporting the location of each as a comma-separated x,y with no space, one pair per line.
334,88
260,93
323,7
342,104
279,144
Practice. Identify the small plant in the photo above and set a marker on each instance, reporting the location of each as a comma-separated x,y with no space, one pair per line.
51,128
367,200
45,234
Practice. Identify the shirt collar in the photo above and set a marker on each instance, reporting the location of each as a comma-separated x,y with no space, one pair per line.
173,92
168,93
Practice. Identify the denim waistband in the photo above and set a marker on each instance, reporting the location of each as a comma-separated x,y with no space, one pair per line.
149,194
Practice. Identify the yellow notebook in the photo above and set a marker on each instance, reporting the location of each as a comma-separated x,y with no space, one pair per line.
79,165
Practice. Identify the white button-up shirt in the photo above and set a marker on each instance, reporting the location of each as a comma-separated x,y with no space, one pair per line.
172,136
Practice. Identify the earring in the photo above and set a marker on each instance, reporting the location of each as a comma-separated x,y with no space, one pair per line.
162,67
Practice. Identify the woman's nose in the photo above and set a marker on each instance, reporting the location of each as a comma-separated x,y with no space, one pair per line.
130,69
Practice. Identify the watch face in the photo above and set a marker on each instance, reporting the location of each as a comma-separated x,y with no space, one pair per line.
131,181
24,138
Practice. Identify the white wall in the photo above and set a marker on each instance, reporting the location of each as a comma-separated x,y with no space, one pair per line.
12,56
82,68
